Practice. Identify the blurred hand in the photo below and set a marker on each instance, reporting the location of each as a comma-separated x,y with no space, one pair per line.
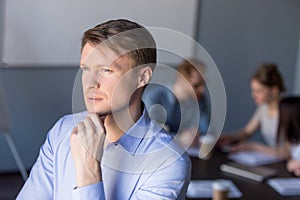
226,139
293,166
87,141
245,146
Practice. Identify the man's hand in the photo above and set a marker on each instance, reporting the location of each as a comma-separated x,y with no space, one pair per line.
87,141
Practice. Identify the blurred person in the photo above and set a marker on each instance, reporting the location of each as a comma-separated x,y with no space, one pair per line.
114,150
178,100
289,129
267,86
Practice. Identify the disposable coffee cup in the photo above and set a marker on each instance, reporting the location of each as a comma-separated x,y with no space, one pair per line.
207,143
220,190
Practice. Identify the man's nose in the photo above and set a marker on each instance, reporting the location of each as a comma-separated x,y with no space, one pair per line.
93,80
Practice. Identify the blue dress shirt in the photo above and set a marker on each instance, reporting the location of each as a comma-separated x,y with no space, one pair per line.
179,115
145,163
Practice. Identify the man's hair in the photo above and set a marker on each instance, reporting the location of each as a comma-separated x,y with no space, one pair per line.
124,37
268,75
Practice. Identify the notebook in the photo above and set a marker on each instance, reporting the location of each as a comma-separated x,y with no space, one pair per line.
203,189
254,173
286,186
253,158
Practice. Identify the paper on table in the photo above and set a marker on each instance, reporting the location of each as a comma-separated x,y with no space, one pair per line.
203,189
253,158
286,186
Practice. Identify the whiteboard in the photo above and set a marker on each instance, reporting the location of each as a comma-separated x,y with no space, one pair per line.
48,33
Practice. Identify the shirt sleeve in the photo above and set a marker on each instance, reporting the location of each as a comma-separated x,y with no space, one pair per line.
203,121
169,182
205,115
39,185
93,191
257,115
149,95
153,96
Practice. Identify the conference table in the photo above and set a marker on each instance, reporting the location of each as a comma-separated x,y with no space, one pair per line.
210,170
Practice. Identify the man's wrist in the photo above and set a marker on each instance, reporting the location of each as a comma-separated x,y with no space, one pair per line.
88,174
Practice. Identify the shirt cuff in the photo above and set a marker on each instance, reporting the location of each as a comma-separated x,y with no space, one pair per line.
93,191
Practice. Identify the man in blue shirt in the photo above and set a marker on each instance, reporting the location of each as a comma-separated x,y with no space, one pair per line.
181,105
114,150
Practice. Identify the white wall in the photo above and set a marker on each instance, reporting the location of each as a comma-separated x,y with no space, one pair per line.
48,33
239,35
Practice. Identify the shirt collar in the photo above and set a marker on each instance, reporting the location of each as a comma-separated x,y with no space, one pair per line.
131,139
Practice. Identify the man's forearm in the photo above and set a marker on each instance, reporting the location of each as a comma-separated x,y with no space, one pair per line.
88,174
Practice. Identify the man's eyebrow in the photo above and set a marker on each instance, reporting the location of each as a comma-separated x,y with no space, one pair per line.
97,66
82,65
115,65
112,65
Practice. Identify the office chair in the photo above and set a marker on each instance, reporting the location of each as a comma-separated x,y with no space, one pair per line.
5,127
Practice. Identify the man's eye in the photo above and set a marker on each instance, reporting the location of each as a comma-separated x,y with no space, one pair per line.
85,69
107,70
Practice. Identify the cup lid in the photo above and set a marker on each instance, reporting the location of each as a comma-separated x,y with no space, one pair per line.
220,185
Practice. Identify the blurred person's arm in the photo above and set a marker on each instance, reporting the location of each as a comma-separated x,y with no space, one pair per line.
279,151
250,128
246,132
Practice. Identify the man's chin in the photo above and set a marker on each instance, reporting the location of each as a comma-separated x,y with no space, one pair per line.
102,115
98,111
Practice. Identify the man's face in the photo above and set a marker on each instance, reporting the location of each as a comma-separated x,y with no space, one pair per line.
108,80
193,86
198,84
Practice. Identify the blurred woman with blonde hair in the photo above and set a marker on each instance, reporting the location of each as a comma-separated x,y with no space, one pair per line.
267,87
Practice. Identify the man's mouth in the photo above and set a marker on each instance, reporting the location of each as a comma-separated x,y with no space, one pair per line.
94,99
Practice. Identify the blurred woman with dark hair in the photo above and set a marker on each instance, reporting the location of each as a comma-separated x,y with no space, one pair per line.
289,128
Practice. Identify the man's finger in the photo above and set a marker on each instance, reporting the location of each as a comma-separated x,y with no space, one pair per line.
75,130
98,122
89,124
81,128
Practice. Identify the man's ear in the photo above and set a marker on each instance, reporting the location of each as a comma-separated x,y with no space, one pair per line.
145,75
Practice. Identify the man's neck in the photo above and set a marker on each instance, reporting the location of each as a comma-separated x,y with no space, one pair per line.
119,122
